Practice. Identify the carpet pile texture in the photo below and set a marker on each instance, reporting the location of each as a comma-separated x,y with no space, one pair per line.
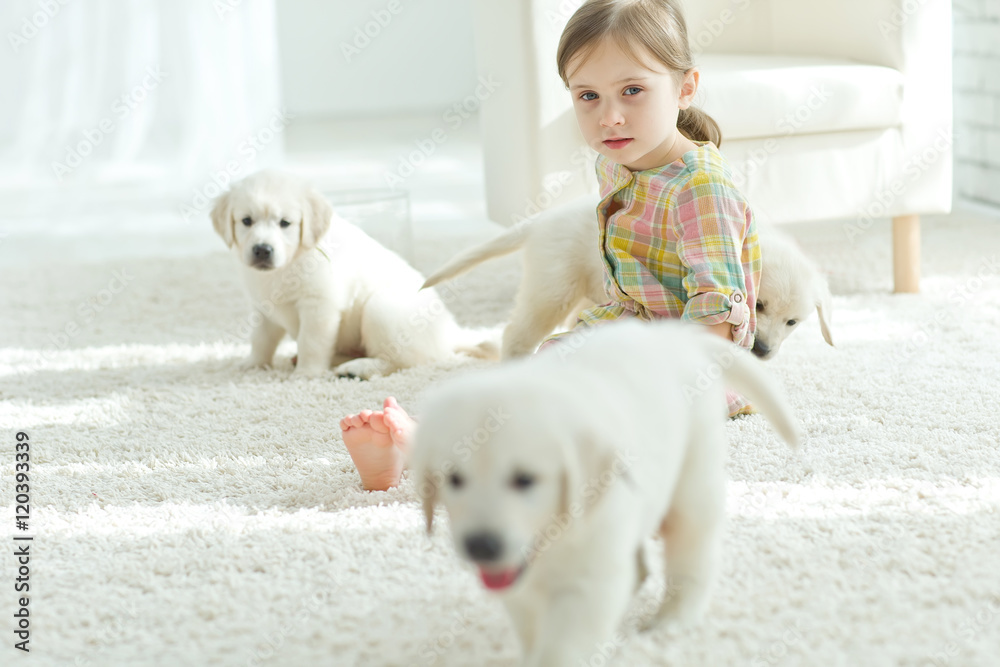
188,513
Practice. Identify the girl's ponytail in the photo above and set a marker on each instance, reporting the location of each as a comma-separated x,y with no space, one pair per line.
697,125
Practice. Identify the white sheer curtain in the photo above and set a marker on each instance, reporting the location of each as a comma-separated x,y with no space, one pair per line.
104,100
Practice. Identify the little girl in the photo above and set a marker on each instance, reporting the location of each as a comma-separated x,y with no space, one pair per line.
677,237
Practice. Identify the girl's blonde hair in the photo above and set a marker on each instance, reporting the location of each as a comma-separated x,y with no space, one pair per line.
656,26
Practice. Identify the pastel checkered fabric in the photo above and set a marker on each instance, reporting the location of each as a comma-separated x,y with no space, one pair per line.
680,242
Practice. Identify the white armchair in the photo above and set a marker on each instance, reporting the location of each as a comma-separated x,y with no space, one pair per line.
828,109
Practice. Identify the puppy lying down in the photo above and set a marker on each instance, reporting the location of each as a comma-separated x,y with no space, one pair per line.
555,469
563,274
342,296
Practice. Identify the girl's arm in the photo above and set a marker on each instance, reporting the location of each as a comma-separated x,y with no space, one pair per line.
717,247
722,329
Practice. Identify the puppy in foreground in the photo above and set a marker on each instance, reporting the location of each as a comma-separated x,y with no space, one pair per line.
563,274
345,299
555,469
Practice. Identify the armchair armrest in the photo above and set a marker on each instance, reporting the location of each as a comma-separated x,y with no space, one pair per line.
912,36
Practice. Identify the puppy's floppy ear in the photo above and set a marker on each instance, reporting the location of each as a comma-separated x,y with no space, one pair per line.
589,470
316,218
427,486
222,218
824,308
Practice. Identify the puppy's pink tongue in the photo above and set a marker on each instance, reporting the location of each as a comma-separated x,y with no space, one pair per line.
498,580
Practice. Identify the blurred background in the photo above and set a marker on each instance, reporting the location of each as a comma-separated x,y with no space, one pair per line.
121,121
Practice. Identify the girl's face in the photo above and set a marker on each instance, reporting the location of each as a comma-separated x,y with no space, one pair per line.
626,111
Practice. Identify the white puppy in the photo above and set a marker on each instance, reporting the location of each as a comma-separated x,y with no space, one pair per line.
555,469
335,290
563,274
791,288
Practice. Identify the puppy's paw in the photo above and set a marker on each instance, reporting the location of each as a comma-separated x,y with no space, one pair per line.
364,368
681,609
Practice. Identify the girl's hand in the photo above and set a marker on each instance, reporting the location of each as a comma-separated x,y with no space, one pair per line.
722,329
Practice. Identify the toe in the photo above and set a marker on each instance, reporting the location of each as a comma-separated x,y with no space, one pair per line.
378,423
398,419
392,420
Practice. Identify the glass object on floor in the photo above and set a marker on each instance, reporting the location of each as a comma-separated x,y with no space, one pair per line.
381,213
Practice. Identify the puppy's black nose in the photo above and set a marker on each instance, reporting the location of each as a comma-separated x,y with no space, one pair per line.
760,349
483,547
262,251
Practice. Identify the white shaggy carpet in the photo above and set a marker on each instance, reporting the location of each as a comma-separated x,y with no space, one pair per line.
186,513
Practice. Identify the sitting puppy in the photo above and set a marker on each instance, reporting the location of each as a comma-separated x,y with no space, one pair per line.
567,461
563,274
343,297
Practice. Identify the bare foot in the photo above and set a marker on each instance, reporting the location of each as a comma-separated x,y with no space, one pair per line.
378,443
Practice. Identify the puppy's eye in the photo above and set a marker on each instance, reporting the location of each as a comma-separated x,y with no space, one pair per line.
247,222
456,480
792,323
522,481
285,223
760,306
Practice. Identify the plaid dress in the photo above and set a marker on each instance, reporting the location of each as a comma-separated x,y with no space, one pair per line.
681,244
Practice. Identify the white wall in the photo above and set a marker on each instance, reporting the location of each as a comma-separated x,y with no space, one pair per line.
977,100
350,58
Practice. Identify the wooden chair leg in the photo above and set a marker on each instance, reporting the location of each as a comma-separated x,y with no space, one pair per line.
906,253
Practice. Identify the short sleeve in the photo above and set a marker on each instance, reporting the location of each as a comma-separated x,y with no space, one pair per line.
715,239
